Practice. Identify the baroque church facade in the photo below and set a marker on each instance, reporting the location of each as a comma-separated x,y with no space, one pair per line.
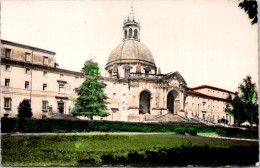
144,92
136,89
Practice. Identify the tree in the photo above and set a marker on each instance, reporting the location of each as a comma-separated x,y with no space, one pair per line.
91,99
244,105
250,7
24,109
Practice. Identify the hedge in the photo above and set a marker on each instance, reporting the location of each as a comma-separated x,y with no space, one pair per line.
9,125
183,156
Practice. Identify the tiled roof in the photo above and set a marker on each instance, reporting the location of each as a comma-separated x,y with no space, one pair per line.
27,47
211,87
205,95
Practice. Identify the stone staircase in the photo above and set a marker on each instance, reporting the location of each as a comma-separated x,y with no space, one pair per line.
169,117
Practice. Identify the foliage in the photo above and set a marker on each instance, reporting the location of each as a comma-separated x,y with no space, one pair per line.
124,149
243,105
250,7
24,109
91,98
50,125
180,131
192,131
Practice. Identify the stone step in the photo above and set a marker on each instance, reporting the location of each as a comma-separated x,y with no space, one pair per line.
168,117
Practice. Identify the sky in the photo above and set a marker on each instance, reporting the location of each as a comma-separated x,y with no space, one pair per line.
208,42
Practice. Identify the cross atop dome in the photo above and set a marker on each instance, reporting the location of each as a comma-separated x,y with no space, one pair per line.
131,27
131,14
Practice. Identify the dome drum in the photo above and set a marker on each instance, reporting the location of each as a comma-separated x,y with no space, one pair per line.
120,69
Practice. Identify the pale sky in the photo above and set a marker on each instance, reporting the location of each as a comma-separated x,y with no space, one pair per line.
209,42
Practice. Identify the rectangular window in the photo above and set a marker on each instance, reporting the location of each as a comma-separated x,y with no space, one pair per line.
27,70
44,73
123,94
76,78
61,76
7,82
7,53
27,57
114,94
45,60
61,88
76,90
7,102
7,67
27,84
44,87
44,105
146,73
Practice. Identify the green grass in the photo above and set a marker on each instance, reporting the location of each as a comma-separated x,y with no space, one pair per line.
67,150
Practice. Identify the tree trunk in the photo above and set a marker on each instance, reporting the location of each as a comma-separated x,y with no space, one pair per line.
91,117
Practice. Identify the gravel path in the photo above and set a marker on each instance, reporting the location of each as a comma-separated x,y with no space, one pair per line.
102,133
221,137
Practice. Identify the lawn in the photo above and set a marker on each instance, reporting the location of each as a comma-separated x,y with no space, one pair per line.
70,149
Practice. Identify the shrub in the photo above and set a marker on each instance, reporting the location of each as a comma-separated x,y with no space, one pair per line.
191,131
24,109
180,131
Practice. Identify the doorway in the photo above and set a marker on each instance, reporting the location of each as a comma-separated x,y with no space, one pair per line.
144,102
173,102
61,107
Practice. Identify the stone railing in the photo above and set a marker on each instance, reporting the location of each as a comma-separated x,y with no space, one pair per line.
144,75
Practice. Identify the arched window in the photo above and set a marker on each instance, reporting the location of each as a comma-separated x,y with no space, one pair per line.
135,34
125,33
127,73
130,33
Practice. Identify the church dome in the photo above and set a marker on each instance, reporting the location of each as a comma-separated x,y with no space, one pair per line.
131,51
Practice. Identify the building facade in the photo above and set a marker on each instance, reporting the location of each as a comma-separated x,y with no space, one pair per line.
139,92
208,103
136,89
30,73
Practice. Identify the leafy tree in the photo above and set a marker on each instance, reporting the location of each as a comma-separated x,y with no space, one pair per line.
250,7
24,109
91,99
243,105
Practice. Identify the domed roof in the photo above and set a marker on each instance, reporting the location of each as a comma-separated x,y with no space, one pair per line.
131,51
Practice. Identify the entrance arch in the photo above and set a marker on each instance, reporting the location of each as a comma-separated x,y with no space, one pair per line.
144,102
173,102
